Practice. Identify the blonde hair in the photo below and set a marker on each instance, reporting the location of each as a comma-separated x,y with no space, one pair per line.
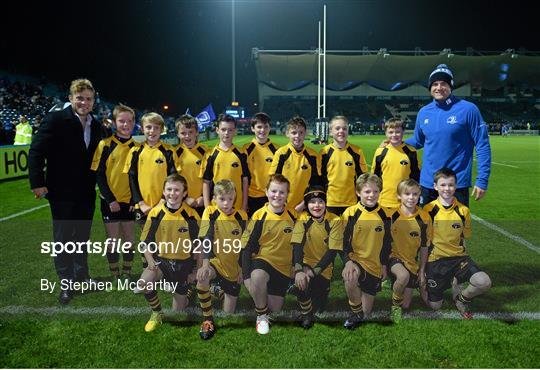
121,108
154,118
79,85
223,187
407,184
394,122
368,178
338,118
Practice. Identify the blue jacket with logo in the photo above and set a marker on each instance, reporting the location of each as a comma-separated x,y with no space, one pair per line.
449,131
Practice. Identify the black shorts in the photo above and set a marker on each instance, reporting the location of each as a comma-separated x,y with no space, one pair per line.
338,211
278,283
413,278
368,283
140,217
176,271
229,287
440,273
255,204
123,215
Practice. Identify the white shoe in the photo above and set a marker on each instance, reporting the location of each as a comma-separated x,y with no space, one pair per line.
137,290
263,324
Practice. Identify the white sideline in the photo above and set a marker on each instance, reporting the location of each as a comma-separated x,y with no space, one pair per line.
502,164
23,212
249,314
515,238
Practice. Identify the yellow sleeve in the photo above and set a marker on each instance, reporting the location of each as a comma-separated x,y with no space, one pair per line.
363,164
299,230
335,238
127,164
97,156
205,223
147,224
275,161
377,151
467,230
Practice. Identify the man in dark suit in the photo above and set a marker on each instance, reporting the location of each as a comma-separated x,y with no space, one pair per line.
59,170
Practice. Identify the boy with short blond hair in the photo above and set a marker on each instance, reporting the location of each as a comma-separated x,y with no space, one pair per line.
411,238
449,263
394,162
115,195
191,155
341,164
267,253
260,152
169,225
298,163
226,161
366,246
221,232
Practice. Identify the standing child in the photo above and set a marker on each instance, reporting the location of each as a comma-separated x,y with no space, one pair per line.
260,152
221,231
148,165
173,227
366,246
296,162
317,237
190,155
341,164
226,161
115,195
449,263
411,234
267,253
395,162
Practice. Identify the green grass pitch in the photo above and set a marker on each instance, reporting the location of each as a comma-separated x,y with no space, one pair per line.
106,329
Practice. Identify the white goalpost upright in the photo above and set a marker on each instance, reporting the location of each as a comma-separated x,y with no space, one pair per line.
321,128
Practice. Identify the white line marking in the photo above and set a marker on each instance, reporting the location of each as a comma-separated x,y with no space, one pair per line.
500,230
23,212
502,164
289,315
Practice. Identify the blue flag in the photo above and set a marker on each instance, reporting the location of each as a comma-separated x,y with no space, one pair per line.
206,117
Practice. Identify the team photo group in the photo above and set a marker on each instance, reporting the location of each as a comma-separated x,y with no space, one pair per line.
271,218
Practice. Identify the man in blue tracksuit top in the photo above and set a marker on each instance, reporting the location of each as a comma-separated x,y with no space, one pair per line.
449,129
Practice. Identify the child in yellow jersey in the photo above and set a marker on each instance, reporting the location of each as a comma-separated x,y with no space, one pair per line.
267,253
341,164
394,162
411,237
169,232
449,263
260,152
220,234
317,237
298,163
115,196
366,246
148,165
190,155
226,161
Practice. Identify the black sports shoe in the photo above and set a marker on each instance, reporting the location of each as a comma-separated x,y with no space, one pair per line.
207,330
353,321
307,321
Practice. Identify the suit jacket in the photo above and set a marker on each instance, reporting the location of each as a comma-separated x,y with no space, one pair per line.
59,159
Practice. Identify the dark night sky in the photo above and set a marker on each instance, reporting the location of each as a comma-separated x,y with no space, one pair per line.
148,53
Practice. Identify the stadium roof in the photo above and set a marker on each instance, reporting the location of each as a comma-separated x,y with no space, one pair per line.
287,72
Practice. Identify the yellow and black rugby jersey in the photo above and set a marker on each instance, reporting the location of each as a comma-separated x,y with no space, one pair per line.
189,165
339,170
222,230
301,168
393,164
450,227
409,234
268,235
148,167
367,237
109,161
259,159
228,164
318,237
173,232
